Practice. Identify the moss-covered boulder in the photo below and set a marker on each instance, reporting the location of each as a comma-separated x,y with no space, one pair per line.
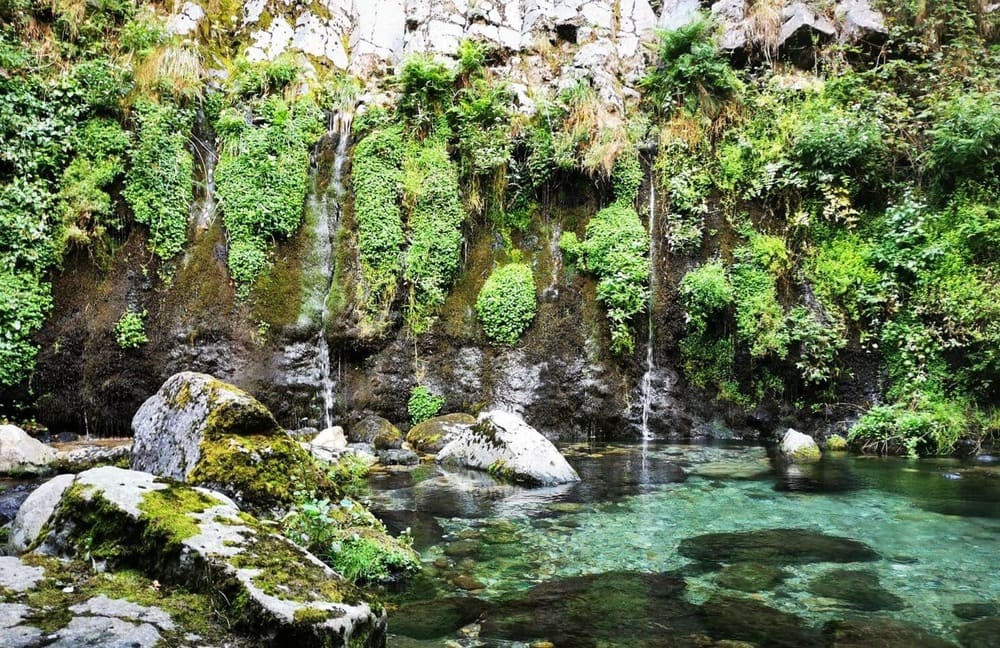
200,430
796,446
377,431
195,538
434,433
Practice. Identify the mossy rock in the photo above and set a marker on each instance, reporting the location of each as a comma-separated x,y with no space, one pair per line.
836,443
434,433
856,588
775,547
265,585
377,431
262,473
750,577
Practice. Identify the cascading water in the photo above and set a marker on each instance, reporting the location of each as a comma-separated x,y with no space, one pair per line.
328,209
646,389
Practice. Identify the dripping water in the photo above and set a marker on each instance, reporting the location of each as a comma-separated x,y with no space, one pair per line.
328,208
646,390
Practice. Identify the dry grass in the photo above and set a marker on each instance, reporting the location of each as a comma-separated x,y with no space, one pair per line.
764,27
171,69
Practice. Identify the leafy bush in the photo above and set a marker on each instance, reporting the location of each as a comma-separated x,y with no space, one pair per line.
626,178
832,140
130,331
965,139
471,56
377,177
760,317
843,276
423,404
25,301
615,249
435,228
426,86
705,291
159,183
506,304
926,426
689,71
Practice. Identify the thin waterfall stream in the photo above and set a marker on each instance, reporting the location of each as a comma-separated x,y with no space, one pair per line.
646,393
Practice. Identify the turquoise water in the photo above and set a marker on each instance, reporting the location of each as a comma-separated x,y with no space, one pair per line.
499,554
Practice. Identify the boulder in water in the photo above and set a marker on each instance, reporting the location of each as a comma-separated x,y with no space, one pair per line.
881,632
200,430
750,577
435,433
796,446
198,538
775,547
377,431
984,633
21,454
857,588
503,444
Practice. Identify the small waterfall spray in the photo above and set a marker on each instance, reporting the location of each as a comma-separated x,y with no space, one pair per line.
646,389
328,208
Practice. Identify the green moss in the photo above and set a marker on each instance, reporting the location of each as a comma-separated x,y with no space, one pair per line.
836,443
168,511
262,472
507,303
244,416
310,615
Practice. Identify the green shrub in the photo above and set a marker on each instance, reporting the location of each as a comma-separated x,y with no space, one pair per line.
471,57
926,426
760,317
843,277
423,404
435,227
706,292
377,177
626,178
965,139
570,246
506,304
25,301
615,250
159,182
130,331
689,71
830,140
426,87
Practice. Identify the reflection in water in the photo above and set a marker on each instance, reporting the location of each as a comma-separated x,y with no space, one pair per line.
523,565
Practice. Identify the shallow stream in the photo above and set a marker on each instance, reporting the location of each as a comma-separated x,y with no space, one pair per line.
691,545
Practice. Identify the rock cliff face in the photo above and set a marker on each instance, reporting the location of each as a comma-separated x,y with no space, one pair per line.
561,376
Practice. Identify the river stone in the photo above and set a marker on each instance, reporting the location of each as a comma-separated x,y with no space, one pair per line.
35,512
858,588
377,431
80,459
796,446
744,619
984,633
503,444
437,618
976,610
400,457
21,454
775,547
435,433
881,632
332,438
198,537
749,577
171,426
18,577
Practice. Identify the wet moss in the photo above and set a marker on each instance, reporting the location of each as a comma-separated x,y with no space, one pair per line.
261,472
168,511
245,416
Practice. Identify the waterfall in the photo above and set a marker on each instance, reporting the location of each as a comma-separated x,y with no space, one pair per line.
328,208
646,389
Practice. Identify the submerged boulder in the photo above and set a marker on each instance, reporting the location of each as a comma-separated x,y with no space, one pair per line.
857,588
200,430
796,446
197,538
435,433
503,444
775,547
21,454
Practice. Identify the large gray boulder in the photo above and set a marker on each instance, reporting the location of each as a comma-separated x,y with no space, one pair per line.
21,454
200,539
189,408
503,444
796,446
35,512
435,433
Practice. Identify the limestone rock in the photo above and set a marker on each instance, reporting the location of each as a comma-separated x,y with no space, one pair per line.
434,433
18,577
802,25
861,23
203,431
505,445
35,513
86,457
201,538
796,446
20,454
377,431
331,437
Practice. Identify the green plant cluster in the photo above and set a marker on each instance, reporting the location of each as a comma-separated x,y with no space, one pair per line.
263,172
423,404
507,303
615,249
130,331
159,184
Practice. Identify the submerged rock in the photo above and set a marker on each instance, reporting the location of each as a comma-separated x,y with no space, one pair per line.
744,619
775,547
796,446
206,432
21,454
503,444
881,632
435,433
195,537
984,633
436,618
749,577
858,588
977,610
